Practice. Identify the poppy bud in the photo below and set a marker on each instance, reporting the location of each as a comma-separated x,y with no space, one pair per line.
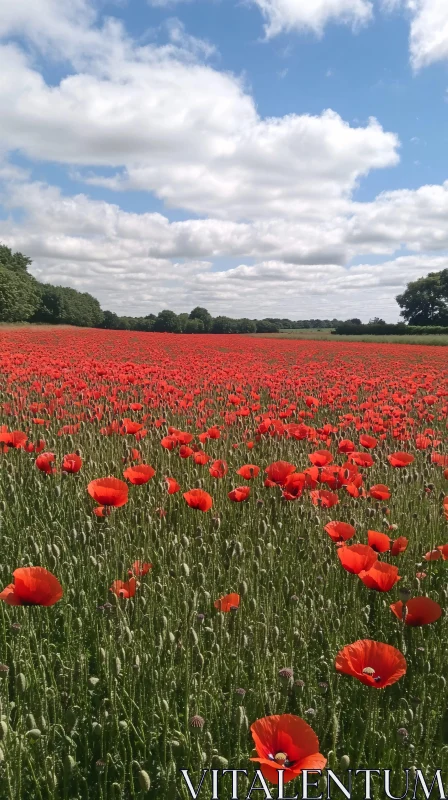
3,730
219,762
404,594
34,734
344,763
144,781
116,666
20,683
30,721
186,570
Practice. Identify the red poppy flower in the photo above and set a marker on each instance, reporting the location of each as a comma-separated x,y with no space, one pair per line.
356,558
33,586
172,485
368,441
124,588
140,568
185,451
433,555
400,459
285,743
44,463
378,541
380,577
128,426
201,458
294,486
218,469
278,472
109,492
373,663
417,611
346,446
361,459
324,498
71,463
228,602
339,531
320,458
444,550
239,494
399,545
248,471
139,474
380,492
169,442
102,511
197,498
439,459
14,439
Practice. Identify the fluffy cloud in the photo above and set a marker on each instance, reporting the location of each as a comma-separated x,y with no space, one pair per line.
189,134
135,263
288,15
275,194
428,40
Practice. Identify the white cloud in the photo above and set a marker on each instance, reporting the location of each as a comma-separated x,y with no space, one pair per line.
312,15
428,40
136,263
275,193
191,135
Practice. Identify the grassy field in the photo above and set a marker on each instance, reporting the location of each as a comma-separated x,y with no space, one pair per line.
187,614
326,335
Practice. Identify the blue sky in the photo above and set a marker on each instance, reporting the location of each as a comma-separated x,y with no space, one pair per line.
264,158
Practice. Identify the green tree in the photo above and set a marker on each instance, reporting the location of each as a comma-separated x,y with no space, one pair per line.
204,316
167,322
425,301
224,325
183,319
194,326
63,305
19,296
245,325
266,326
16,262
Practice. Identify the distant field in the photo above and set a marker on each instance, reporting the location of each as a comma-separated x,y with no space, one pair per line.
325,334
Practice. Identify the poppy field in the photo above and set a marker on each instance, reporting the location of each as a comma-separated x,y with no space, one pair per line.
219,552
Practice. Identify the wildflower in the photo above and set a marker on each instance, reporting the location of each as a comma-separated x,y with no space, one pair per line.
373,663
285,742
33,586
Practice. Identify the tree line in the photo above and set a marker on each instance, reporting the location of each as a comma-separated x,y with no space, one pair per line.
24,299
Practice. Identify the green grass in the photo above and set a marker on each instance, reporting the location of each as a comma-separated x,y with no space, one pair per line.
326,335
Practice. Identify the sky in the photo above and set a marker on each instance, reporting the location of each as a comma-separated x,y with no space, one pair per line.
261,158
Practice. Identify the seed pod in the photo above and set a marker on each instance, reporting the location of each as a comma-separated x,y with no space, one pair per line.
144,781
219,762
30,721
33,734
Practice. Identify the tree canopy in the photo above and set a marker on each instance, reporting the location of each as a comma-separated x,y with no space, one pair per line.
425,301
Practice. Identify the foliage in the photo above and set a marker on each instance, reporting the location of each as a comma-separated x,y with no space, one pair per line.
63,305
167,322
425,301
204,316
386,329
19,295
16,262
